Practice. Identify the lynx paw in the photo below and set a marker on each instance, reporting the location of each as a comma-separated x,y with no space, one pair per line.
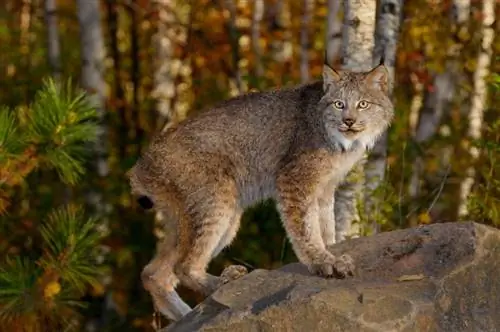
338,267
232,272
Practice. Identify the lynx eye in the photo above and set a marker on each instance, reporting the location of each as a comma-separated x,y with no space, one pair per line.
338,104
363,104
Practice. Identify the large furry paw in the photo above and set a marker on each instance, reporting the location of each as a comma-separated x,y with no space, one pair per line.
338,267
232,272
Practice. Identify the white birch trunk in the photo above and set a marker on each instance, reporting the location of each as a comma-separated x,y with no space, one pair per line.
169,96
236,83
163,41
478,102
92,80
279,19
435,103
357,55
258,14
333,32
308,7
93,54
53,48
386,38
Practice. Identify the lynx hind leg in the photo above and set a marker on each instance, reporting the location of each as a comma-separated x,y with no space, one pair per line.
211,219
160,281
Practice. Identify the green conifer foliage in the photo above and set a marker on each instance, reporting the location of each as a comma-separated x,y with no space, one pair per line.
42,291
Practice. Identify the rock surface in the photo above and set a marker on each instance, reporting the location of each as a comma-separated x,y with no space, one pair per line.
442,277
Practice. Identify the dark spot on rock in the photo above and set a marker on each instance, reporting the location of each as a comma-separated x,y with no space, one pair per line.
388,251
273,299
360,298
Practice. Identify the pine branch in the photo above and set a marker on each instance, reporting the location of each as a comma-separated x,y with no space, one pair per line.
61,124
70,247
48,291
17,280
12,142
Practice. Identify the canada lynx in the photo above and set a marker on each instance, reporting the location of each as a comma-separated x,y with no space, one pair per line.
294,145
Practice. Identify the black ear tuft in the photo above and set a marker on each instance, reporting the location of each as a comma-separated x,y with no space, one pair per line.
145,202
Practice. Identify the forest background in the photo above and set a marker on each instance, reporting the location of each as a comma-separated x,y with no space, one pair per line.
86,83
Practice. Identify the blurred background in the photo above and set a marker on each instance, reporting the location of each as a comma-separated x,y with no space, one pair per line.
85,84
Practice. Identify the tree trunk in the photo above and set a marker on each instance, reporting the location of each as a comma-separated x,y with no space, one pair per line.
478,102
386,38
258,14
233,32
278,18
119,93
53,49
357,55
93,53
163,40
135,74
436,101
333,32
26,25
308,6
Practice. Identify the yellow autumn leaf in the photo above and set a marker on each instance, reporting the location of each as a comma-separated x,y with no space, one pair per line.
97,289
424,218
52,289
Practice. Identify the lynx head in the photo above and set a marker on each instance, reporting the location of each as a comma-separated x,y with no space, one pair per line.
356,106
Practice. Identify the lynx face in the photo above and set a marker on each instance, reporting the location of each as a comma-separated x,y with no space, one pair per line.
356,107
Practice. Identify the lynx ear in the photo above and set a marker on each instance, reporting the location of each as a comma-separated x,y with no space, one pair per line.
378,78
330,76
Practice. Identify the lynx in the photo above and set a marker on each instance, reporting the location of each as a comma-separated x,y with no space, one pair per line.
292,144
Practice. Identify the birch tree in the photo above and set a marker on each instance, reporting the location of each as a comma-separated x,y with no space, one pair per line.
386,37
357,53
333,31
436,102
237,81
93,54
257,16
53,48
163,41
308,7
479,98
278,18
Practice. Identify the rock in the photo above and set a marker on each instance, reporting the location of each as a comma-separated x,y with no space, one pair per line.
442,277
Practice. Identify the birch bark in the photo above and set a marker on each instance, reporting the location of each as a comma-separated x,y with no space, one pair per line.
163,41
435,103
357,54
479,97
386,38
53,48
258,14
308,7
333,32
92,54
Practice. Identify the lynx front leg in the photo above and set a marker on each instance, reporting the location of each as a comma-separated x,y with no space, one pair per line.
300,213
326,203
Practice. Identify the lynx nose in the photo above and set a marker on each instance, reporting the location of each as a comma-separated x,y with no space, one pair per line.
349,121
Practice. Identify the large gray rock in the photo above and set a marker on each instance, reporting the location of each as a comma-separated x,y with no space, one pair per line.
443,277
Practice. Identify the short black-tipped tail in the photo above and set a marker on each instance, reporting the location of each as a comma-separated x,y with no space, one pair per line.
145,202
